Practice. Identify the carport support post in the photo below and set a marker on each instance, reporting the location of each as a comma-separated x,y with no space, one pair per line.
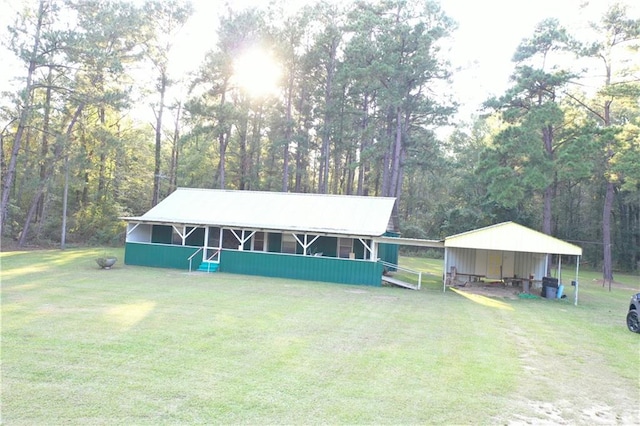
575,293
444,273
559,268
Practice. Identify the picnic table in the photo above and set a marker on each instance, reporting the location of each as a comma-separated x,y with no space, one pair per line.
472,277
525,283
458,278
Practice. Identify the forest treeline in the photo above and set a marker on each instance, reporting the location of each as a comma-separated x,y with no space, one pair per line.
364,89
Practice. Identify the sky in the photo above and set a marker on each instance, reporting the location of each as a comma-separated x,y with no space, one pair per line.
481,49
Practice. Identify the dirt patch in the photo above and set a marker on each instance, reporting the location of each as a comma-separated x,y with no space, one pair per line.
492,290
584,398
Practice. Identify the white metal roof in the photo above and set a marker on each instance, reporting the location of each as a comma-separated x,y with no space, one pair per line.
510,236
328,214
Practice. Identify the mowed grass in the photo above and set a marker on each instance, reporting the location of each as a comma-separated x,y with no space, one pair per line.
135,345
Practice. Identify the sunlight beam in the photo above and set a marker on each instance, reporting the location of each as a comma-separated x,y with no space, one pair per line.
257,73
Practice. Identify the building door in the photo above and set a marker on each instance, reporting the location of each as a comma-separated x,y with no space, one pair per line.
494,264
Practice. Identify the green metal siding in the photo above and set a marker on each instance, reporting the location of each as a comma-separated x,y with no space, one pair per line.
389,252
161,255
313,268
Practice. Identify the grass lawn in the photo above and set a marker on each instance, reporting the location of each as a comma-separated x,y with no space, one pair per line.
135,345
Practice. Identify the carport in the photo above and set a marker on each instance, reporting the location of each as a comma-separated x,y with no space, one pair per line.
506,252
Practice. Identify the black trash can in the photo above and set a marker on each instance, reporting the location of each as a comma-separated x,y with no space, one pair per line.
549,287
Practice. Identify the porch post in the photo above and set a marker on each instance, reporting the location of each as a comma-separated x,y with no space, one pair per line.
366,246
206,243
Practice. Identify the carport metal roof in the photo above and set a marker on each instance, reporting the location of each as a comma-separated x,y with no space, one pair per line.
510,236
414,242
309,213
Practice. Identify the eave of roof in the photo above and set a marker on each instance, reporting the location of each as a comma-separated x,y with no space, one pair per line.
414,242
311,213
510,236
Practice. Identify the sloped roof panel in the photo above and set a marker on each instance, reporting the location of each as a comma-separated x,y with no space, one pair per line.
335,214
510,236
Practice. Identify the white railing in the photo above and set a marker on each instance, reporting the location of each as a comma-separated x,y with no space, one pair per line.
216,253
192,256
400,268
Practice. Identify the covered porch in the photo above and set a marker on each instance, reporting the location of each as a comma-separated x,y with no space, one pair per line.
348,259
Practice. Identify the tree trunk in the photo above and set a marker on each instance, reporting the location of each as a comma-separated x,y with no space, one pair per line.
242,127
222,137
387,158
156,170
175,151
24,118
301,147
288,132
547,138
607,261
360,189
546,210
44,148
42,186
323,180
102,163
607,271
255,157
65,201
350,173
223,141
397,148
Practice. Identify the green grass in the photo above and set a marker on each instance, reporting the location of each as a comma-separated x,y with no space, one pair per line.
135,345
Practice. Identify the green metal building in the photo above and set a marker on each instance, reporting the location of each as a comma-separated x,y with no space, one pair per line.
333,238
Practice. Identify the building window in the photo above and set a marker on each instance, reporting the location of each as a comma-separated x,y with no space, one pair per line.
259,243
345,247
214,237
229,239
289,243
161,234
176,239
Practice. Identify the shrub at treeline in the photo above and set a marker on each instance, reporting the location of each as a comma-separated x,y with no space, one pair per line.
362,94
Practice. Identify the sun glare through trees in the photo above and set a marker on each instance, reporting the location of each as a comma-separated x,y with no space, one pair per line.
257,72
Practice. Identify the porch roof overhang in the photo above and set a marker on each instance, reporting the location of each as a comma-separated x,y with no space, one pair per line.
510,236
139,220
415,242
318,214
